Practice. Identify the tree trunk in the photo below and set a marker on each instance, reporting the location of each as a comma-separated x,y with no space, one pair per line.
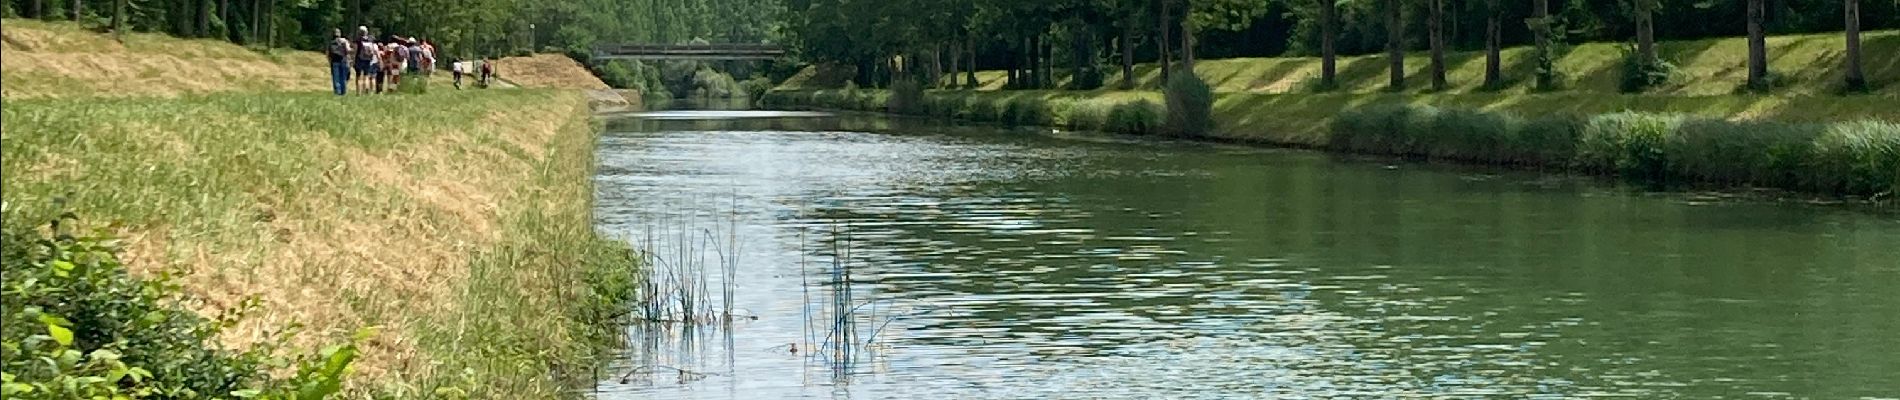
1128,58
970,74
77,10
201,18
1167,66
224,19
1493,45
1081,56
1328,57
1395,45
1856,79
1646,31
1757,45
1023,65
956,57
270,23
256,10
1036,61
1436,22
1540,29
936,66
1187,46
1048,62
118,20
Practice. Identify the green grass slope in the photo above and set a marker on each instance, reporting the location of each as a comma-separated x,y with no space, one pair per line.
1809,64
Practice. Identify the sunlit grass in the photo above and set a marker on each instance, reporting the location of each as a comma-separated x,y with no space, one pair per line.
1810,64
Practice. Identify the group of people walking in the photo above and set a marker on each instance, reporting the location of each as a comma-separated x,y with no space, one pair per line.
379,66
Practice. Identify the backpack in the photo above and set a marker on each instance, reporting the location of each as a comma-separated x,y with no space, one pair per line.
366,51
339,49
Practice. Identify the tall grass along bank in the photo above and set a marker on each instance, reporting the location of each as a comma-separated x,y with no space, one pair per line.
1822,144
457,223
58,59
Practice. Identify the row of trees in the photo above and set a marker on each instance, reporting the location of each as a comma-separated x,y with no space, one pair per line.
465,27
933,38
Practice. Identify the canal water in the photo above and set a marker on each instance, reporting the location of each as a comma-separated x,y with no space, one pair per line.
981,262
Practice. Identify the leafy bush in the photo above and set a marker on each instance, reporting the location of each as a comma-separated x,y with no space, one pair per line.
1857,157
1548,140
1378,128
756,87
1752,152
1026,112
1190,105
907,97
619,75
1088,116
715,84
1630,144
1639,75
1138,117
79,326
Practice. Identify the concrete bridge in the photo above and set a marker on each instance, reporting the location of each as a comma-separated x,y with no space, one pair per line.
638,51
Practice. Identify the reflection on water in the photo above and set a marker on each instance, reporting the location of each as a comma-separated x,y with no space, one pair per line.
1010,264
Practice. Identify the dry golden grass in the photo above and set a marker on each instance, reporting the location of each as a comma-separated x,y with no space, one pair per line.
61,60
547,71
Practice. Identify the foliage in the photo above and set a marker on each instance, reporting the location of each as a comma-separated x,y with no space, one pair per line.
907,97
1853,158
710,83
80,326
756,87
1190,105
1639,74
1141,116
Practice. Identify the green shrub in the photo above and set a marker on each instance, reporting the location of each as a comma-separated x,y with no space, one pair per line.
1861,157
714,84
1750,152
757,86
1470,135
1639,75
1026,112
617,74
1627,143
1549,140
1379,128
907,97
1190,105
988,109
1088,116
79,326
1056,110
1138,117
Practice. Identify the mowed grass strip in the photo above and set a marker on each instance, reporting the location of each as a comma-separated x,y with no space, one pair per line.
457,221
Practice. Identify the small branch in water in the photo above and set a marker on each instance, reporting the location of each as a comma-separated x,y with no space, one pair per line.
685,375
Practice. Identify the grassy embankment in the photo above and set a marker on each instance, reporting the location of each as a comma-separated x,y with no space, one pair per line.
457,221
1270,101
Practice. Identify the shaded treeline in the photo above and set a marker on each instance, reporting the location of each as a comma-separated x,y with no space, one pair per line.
464,28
